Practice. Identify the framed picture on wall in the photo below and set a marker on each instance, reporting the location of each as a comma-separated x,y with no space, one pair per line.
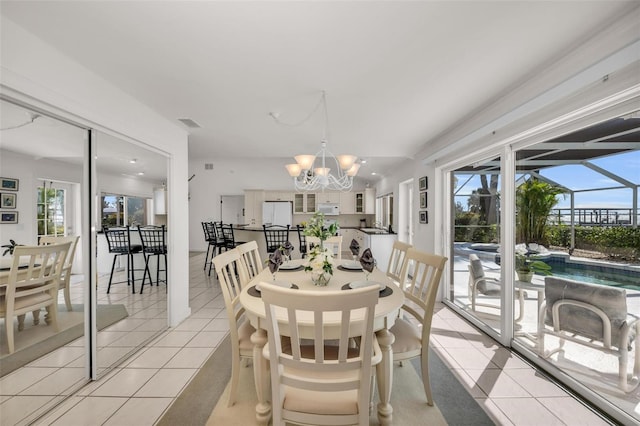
424,217
423,200
7,200
423,184
8,184
8,217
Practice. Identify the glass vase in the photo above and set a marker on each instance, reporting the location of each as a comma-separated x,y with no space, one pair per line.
321,279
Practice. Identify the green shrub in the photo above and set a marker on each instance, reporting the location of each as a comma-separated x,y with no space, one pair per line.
614,241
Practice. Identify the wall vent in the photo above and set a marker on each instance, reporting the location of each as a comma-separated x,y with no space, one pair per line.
208,166
189,123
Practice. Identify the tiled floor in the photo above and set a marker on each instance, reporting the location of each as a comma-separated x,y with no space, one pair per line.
144,386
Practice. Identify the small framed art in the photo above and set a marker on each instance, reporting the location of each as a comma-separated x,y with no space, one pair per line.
7,200
423,183
8,184
424,217
8,217
423,200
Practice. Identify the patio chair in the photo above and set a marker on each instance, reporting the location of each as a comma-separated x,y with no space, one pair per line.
323,380
592,315
232,274
421,273
65,279
487,286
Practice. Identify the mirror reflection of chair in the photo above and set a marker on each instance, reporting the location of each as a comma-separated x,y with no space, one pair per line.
275,236
421,274
213,243
594,316
334,244
228,236
32,285
232,274
119,240
487,286
153,244
302,239
397,259
65,279
251,258
330,381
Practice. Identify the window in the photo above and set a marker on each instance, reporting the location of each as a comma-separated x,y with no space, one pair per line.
51,211
384,210
121,210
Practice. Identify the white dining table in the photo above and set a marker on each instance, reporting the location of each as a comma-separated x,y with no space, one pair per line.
389,303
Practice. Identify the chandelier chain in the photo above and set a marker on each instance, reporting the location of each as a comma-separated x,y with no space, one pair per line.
305,119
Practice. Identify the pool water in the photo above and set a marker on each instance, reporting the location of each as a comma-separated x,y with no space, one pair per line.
606,276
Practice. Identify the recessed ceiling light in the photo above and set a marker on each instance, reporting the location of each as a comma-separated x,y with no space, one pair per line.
363,161
133,161
373,173
140,173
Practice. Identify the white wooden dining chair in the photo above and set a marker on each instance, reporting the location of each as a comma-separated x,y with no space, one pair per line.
326,383
397,260
232,274
33,284
334,244
251,258
420,290
65,279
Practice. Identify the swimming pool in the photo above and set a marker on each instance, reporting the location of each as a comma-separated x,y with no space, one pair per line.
597,274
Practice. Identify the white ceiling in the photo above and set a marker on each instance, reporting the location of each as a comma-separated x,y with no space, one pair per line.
396,74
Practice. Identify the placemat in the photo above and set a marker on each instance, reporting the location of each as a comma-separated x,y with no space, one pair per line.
388,291
255,293
342,268
297,268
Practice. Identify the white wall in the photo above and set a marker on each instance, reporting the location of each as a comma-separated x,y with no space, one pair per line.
39,75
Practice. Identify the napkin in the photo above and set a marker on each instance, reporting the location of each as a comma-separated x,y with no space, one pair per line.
355,247
287,248
275,260
367,261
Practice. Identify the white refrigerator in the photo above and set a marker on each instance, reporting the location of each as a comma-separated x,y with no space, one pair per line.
277,213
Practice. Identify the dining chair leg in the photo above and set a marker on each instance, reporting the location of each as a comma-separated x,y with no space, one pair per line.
67,294
113,266
146,271
424,364
8,326
130,272
166,274
206,258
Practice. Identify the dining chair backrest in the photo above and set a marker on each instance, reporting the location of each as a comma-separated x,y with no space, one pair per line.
232,276
153,239
119,240
65,278
251,258
228,235
302,239
209,230
397,259
334,244
420,276
33,283
275,236
304,376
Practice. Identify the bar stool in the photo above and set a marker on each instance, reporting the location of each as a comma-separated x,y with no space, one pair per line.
153,244
119,240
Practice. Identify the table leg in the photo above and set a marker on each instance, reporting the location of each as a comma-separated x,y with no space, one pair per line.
384,371
261,377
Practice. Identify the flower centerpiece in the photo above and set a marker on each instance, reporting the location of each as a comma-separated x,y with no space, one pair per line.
320,258
527,264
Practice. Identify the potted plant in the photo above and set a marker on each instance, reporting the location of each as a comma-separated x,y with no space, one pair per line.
320,259
527,264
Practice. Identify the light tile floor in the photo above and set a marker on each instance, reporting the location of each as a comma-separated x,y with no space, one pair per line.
140,390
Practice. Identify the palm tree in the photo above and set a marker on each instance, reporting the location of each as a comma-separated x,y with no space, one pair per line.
534,201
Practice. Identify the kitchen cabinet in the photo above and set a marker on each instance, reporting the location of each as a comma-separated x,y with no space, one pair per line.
304,202
278,196
347,203
365,202
253,200
160,201
328,197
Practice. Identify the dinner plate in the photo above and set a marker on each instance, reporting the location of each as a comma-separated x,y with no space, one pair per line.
359,284
288,266
355,265
283,284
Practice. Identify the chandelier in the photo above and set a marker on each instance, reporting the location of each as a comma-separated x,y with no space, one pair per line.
314,172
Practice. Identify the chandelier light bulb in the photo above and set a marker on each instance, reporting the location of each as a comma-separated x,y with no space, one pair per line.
294,169
305,161
346,161
353,170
